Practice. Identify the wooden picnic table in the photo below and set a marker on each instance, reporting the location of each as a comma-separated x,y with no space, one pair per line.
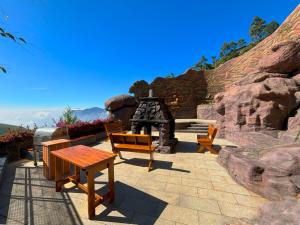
91,161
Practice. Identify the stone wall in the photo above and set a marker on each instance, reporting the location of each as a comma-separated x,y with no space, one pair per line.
182,94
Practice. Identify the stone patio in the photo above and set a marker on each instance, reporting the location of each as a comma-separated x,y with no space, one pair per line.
184,188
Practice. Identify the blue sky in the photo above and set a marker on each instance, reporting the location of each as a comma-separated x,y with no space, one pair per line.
80,53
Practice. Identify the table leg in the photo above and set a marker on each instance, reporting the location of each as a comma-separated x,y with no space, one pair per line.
58,173
111,183
91,193
66,167
77,173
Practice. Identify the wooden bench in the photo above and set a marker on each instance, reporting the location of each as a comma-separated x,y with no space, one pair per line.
132,143
114,127
206,141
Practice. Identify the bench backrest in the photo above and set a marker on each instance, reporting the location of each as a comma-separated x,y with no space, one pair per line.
212,131
113,127
135,139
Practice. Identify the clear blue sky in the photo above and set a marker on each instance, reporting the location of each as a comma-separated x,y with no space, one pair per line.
80,53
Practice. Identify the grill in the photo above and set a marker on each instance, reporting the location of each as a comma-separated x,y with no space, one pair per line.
153,112
46,134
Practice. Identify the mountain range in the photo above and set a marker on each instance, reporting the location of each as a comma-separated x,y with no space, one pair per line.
45,117
90,113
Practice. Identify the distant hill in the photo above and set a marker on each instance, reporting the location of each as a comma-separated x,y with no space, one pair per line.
90,114
4,128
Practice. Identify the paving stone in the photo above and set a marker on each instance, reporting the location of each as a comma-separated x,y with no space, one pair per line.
216,195
149,205
202,204
197,183
180,215
237,211
213,219
250,201
181,189
151,184
231,188
141,219
168,197
174,180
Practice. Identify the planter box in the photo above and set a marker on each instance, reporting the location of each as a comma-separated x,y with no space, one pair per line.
49,159
89,139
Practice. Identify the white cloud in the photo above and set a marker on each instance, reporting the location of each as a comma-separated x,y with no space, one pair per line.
29,116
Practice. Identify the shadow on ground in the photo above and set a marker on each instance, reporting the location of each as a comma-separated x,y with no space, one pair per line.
131,206
157,164
28,198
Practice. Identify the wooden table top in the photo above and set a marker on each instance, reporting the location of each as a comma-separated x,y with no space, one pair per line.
54,142
84,156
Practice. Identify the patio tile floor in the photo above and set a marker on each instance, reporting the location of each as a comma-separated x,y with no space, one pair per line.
184,188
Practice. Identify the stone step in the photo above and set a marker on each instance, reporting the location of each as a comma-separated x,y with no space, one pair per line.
191,131
199,125
197,128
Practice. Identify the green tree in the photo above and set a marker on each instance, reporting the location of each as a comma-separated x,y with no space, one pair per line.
203,64
171,75
270,28
68,116
241,43
228,48
257,28
214,60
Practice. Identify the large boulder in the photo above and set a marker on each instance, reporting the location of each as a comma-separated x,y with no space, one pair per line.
296,78
285,212
260,102
121,107
272,172
120,101
285,58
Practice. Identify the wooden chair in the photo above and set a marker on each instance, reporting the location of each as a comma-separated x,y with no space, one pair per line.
114,127
133,143
206,141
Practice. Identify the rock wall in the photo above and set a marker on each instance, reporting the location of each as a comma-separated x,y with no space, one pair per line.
229,72
272,172
265,101
207,112
182,94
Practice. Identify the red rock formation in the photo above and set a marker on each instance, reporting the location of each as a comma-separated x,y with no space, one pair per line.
284,58
259,102
272,172
226,74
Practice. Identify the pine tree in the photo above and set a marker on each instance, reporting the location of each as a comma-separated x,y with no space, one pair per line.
257,29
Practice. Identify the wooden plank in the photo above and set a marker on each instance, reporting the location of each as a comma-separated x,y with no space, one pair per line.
135,147
88,156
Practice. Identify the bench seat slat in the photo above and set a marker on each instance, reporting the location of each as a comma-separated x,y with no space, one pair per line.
133,147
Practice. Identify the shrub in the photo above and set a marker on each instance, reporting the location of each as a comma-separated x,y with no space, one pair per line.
16,140
81,128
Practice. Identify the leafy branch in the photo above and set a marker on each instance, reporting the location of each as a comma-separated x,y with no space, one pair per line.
10,36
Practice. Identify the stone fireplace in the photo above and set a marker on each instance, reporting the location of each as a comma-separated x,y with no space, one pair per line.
153,112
